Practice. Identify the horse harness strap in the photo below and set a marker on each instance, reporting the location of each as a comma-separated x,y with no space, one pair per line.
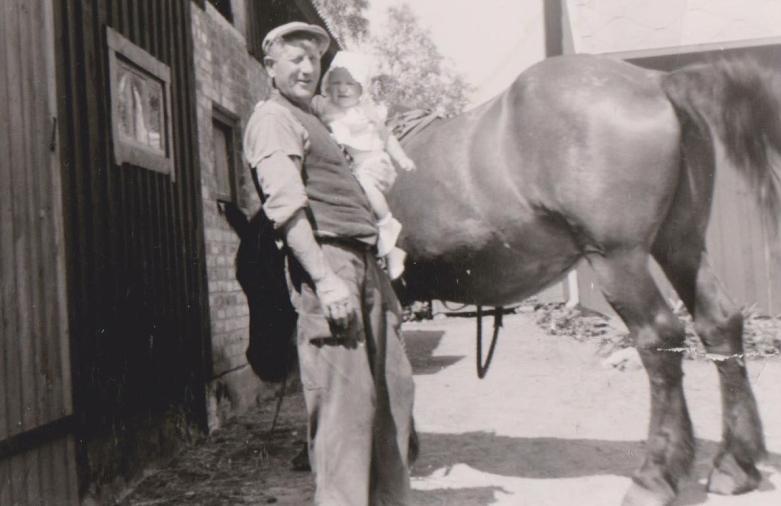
256,183
482,367
411,123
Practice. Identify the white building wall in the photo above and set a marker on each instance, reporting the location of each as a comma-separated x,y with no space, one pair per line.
602,26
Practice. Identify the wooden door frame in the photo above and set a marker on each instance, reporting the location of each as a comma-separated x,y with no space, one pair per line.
50,434
62,426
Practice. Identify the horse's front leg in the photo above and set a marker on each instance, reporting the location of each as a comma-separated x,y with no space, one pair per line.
628,286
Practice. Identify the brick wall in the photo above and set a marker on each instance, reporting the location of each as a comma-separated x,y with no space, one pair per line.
226,76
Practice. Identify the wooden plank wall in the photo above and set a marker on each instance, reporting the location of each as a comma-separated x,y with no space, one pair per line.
136,268
45,474
35,379
747,260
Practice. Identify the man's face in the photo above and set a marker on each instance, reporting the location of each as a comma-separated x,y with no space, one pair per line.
295,67
343,90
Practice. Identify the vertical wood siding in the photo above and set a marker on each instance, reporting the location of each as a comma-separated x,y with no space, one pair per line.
35,378
43,475
136,272
747,260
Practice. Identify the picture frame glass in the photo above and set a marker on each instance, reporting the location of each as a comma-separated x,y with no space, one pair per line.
141,108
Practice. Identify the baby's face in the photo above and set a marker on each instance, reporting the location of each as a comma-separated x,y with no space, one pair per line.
343,90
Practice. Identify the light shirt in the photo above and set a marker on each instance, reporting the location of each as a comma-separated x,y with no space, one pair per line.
272,130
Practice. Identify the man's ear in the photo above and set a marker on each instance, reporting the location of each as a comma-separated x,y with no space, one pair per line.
268,63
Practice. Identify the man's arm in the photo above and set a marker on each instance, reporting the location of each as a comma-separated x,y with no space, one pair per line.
332,291
274,144
291,221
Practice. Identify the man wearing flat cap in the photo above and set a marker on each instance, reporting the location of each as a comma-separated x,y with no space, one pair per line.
356,377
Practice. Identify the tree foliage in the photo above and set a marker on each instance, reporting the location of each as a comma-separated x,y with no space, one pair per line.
411,71
347,18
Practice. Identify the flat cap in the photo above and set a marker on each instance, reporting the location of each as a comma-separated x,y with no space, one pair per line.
321,37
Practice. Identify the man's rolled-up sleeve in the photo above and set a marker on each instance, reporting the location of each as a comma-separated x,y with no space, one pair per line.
284,190
271,144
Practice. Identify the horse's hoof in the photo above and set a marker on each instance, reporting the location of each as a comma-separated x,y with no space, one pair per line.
729,477
640,496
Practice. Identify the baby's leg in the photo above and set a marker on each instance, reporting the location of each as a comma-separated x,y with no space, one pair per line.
395,261
387,226
376,198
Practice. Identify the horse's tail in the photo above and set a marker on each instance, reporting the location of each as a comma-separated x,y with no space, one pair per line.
738,104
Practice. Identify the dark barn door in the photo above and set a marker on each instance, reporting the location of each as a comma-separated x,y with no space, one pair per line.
134,233
37,457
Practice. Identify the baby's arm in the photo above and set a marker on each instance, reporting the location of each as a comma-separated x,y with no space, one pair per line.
396,152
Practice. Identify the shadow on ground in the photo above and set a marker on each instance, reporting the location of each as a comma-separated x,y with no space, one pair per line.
553,458
449,496
244,463
420,350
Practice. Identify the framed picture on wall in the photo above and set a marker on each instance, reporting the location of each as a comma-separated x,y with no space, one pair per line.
140,106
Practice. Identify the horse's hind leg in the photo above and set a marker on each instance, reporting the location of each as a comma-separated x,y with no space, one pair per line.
719,324
627,284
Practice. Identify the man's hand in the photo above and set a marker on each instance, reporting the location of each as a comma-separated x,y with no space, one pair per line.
332,291
334,296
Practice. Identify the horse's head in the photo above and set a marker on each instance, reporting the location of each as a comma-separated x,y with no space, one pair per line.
258,253
236,219
260,271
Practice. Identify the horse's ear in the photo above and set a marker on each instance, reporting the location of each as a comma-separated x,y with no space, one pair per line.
236,218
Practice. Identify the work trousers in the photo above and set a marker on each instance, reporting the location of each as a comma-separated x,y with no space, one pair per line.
358,388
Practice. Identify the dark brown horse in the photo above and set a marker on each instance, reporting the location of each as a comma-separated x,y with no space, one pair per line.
591,157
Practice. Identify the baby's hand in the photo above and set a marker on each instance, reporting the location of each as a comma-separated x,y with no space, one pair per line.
407,164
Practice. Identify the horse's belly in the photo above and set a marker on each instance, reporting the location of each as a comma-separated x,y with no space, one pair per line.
490,266
470,232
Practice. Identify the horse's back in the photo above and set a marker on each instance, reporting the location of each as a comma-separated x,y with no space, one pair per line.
545,171
597,137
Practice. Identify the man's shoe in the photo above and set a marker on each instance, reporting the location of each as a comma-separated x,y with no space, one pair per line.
301,461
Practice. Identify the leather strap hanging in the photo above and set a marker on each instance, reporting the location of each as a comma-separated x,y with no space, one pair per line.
482,366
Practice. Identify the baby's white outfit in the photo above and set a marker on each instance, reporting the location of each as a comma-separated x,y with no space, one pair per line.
361,130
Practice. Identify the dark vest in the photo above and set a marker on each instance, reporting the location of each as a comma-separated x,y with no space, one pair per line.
338,206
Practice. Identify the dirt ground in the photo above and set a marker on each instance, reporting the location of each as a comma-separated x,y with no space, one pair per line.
551,424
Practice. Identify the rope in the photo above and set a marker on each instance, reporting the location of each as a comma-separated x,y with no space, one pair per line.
482,367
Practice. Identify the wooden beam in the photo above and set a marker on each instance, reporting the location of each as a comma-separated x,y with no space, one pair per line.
553,27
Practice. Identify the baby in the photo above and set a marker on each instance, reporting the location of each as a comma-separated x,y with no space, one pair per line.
357,123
